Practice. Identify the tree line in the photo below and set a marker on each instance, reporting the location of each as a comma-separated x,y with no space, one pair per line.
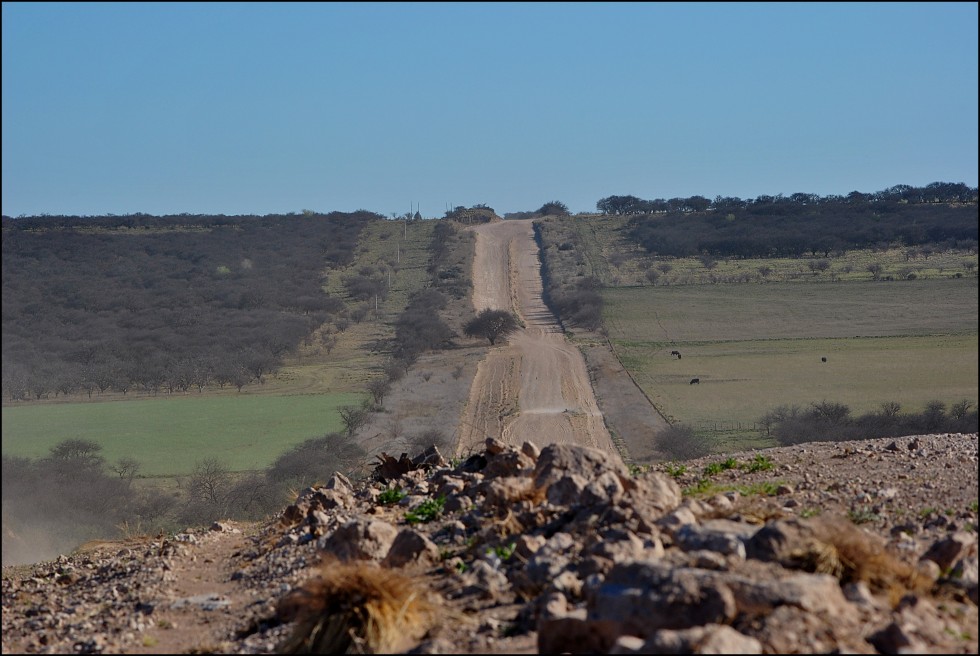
943,214
936,192
830,421
150,304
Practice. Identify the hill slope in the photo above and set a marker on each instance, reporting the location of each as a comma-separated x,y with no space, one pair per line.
557,549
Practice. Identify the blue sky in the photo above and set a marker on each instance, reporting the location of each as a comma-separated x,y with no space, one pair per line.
238,108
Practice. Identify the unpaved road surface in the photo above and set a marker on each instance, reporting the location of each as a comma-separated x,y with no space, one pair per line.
535,386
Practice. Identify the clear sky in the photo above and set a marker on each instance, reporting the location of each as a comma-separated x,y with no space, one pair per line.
258,108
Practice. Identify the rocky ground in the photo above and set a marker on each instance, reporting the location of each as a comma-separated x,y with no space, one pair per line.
859,547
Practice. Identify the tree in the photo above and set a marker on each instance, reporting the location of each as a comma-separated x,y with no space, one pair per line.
378,388
553,208
353,417
208,481
492,324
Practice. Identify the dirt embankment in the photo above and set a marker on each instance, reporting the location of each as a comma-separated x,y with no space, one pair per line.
536,386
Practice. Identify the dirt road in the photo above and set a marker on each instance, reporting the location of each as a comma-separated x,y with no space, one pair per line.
535,387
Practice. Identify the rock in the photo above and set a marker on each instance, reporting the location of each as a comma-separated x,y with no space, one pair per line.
673,521
709,639
531,450
965,575
503,491
692,538
574,634
411,548
509,463
360,539
558,461
813,593
606,488
339,482
946,551
896,639
640,598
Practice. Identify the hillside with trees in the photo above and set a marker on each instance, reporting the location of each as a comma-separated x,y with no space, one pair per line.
939,215
141,303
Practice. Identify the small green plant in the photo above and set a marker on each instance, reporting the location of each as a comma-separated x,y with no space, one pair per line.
461,566
636,470
675,469
503,552
925,512
426,511
862,515
962,635
807,513
701,485
713,468
973,506
760,463
765,488
390,496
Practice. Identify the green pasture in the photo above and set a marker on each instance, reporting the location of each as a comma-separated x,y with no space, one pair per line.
756,347
250,430
170,435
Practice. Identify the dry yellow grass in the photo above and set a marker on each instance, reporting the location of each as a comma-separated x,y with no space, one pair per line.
852,555
358,608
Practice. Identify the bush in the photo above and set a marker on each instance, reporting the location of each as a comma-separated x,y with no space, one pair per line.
827,421
315,459
682,443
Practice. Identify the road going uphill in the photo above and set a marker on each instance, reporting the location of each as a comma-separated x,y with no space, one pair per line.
535,386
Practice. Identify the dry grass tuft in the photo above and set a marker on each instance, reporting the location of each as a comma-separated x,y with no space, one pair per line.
853,555
358,608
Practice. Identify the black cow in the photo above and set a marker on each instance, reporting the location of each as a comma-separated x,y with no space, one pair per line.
695,381
823,359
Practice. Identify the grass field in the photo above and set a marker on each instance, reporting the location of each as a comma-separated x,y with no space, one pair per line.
755,347
246,430
603,249
169,435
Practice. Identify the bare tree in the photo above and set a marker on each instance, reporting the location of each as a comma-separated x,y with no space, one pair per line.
353,417
127,469
208,481
378,388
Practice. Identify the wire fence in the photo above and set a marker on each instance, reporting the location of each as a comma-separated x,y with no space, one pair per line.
724,426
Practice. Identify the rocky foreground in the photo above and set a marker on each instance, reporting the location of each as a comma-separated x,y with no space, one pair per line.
859,547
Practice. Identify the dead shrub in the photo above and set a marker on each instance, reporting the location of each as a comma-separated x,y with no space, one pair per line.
358,608
852,555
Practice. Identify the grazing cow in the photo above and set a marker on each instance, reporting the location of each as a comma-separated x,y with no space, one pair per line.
677,353
823,359
695,381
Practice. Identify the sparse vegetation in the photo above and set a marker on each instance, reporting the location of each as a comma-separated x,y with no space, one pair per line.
391,495
862,515
759,463
427,511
